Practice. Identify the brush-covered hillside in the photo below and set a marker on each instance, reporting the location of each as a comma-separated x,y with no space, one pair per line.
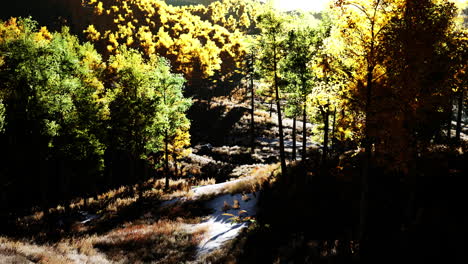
233,131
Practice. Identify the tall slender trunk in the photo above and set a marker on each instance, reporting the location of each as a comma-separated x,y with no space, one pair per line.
271,107
280,120
304,129
459,115
166,160
326,115
294,139
367,158
333,132
252,110
449,124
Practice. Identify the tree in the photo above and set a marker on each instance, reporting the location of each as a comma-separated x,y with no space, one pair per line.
458,47
360,31
405,99
250,65
196,47
147,111
53,105
293,110
234,15
302,48
329,93
171,121
304,44
272,51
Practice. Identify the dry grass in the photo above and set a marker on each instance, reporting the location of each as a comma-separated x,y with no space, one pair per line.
163,241
259,176
245,197
22,252
263,117
115,200
207,182
235,204
130,228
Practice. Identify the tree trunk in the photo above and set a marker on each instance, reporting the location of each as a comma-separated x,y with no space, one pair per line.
459,115
252,110
333,132
271,107
449,124
304,129
166,161
280,121
367,157
294,139
326,119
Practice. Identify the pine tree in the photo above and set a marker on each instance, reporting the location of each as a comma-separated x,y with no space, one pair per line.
272,51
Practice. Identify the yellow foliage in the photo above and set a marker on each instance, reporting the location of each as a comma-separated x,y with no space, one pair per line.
99,8
92,33
10,30
181,32
129,41
43,35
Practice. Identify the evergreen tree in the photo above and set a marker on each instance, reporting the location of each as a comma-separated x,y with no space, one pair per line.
271,52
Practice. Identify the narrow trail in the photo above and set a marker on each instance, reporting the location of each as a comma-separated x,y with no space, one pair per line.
221,227
230,213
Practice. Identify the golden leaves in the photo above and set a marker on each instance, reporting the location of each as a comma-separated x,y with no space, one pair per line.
99,8
189,41
92,33
43,35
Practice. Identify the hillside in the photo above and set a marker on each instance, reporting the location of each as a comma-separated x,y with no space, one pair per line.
150,131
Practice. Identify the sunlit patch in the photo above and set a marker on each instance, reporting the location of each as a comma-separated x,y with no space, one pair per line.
304,5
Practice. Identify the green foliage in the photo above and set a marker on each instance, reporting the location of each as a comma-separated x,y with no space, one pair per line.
171,121
46,92
302,48
60,105
147,103
270,42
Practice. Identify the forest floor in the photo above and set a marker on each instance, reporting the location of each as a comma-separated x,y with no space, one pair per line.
200,216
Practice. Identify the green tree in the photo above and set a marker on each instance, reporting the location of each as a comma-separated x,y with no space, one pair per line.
53,106
147,111
271,44
302,45
251,74
172,124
